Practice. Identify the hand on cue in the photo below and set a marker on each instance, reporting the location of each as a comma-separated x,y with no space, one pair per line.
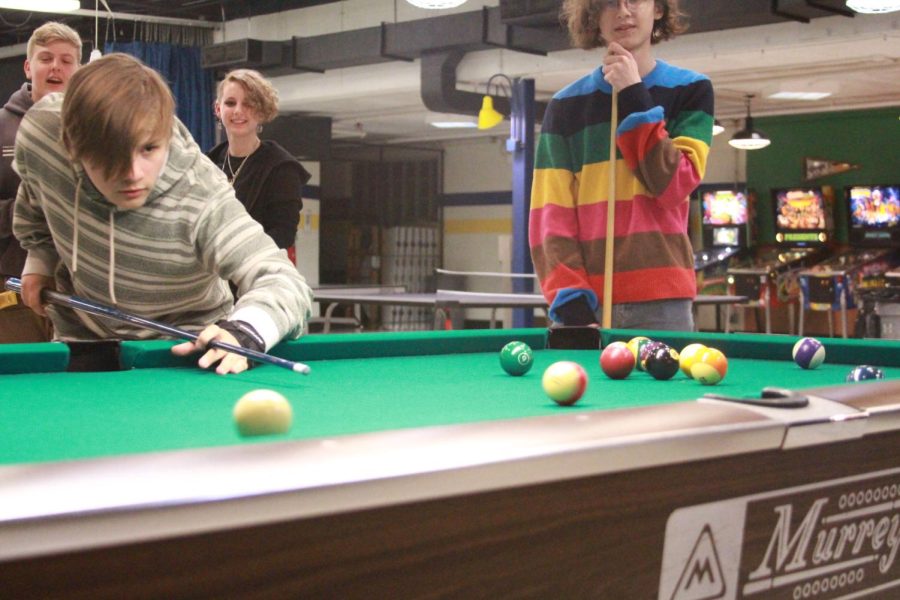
620,70
230,363
32,286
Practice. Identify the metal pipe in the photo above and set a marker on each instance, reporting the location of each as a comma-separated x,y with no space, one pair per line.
84,12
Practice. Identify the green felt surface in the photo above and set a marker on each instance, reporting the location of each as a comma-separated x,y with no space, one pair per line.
439,379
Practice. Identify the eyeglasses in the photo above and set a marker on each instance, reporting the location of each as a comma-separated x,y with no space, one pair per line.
614,4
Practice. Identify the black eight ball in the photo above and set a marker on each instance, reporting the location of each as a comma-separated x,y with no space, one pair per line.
662,363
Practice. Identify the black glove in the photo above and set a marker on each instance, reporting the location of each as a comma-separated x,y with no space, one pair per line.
576,313
245,334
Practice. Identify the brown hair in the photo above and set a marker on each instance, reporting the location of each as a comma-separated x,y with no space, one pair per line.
261,95
582,17
51,32
110,107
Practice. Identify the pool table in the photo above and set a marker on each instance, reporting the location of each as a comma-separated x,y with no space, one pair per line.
416,467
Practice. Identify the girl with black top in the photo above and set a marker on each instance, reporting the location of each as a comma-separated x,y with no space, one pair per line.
266,178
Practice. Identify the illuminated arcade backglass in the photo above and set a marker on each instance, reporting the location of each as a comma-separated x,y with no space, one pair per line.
726,232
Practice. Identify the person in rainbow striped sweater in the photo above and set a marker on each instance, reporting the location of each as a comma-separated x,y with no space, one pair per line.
663,138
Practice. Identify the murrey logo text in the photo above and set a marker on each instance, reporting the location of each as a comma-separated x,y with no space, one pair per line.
859,532
822,541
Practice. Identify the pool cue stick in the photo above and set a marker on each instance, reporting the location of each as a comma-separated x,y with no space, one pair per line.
101,310
608,266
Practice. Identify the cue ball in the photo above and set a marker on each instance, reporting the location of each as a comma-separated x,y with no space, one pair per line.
564,382
864,373
809,353
710,367
262,412
616,360
516,358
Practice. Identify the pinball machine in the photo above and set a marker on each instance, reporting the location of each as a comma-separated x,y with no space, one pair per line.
725,233
859,273
768,277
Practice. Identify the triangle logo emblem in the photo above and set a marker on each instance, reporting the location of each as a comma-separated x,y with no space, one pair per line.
702,578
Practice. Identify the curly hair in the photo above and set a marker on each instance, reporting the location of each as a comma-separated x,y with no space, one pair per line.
261,95
582,18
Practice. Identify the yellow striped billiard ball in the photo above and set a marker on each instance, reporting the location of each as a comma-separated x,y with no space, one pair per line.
688,356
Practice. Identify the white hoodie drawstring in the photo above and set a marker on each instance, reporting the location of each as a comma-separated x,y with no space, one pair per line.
75,232
112,255
112,242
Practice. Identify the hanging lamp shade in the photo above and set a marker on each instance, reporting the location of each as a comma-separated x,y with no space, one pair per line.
488,116
436,4
749,138
50,6
873,6
717,127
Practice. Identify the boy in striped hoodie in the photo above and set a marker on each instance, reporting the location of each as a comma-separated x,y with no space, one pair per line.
663,138
119,205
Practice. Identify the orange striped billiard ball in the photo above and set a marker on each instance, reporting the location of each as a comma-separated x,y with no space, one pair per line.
710,367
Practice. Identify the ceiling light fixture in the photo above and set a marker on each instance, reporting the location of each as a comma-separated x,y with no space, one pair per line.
717,127
49,6
749,138
873,6
454,124
436,4
812,96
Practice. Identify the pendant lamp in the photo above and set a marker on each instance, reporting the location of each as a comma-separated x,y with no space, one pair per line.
49,6
749,138
436,4
873,6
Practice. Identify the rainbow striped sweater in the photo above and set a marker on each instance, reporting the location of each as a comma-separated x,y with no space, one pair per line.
663,138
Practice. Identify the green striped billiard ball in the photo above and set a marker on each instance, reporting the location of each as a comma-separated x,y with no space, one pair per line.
516,358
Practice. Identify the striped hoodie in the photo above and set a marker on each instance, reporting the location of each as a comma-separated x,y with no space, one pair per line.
663,140
168,260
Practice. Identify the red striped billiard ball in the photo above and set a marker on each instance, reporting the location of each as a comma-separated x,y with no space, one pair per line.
564,382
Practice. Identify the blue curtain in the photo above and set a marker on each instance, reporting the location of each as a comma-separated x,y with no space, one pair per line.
192,86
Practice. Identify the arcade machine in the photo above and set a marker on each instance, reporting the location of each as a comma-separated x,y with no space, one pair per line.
769,278
725,233
874,236
887,307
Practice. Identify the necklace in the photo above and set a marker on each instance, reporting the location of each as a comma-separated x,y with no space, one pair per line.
232,173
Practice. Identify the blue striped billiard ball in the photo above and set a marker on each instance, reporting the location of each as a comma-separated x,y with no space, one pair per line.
809,353
864,373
